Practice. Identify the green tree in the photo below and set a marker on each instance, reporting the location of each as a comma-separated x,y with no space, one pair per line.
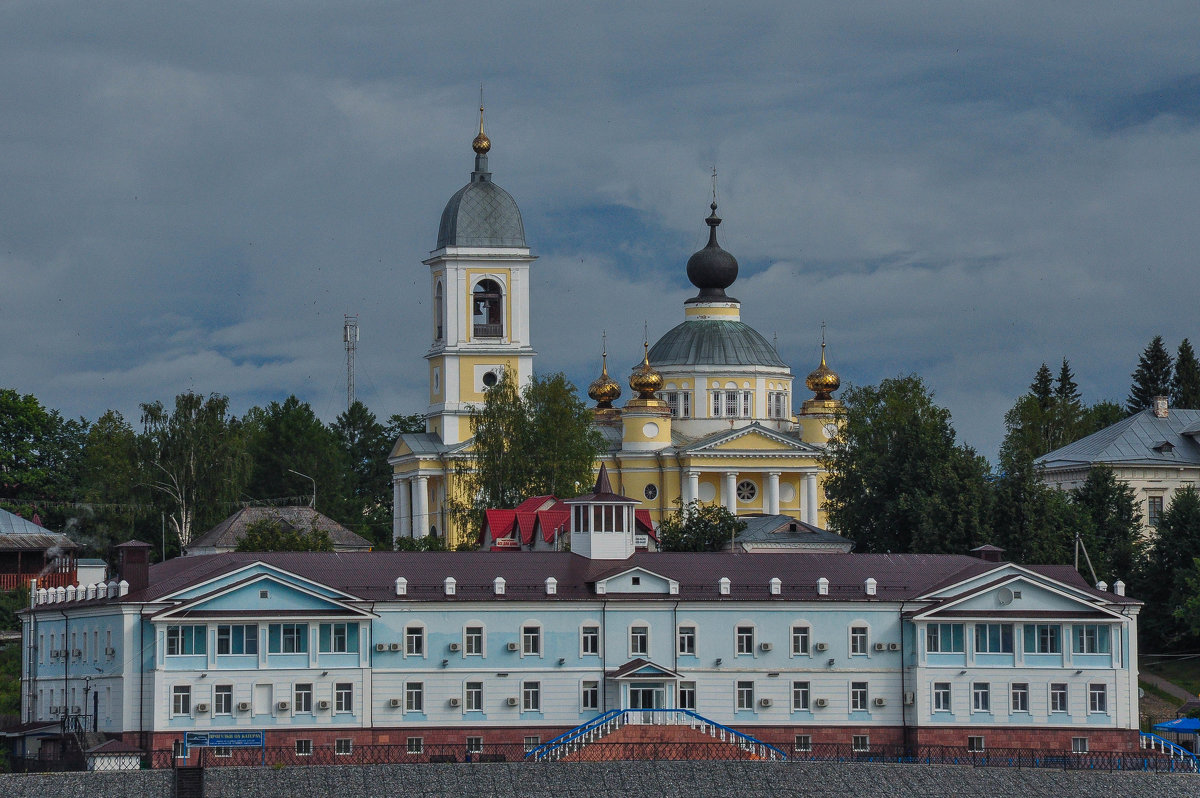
427,543
1100,416
194,458
1185,386
1188,612
1162,582
699,527
400,424
1035,523
1066,392
1042,388
113,486
1151,378
539,441
897,480
366,445
295,454
269,534
1111,507
39,455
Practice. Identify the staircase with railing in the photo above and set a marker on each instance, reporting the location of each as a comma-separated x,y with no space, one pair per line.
598,728
1187,760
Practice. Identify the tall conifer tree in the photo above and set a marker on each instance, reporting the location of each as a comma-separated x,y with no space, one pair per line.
1185,387
1151,378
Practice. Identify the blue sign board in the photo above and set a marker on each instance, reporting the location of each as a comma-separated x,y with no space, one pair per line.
227,739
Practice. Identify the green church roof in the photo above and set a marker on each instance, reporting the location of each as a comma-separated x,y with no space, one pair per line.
708,342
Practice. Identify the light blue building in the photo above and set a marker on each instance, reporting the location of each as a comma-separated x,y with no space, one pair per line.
344,649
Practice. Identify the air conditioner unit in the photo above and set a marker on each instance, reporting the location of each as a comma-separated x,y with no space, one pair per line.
513,647
893,646
323,703
395,646
393,702
455,701
881,646
880,702
512,702
820,702
822,646
110,651
283,705
201,707
910,697
243,706
455,646
381,646
765,646
764,702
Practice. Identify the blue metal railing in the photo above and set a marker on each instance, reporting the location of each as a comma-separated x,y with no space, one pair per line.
615,718
1153,741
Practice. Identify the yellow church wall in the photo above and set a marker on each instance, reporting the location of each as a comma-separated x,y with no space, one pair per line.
437,385
466,373
755,443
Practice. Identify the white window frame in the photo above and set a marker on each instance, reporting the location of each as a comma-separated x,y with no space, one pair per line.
860,743
1079,745
803,743
414,690
304,747
865,637
981,697
343,697
585,632
537,650
531,696
181,700
589,687
482,639
343,746
739,638
644,635
985,630
473,695
942,697
417,632
414,745
976,743
690,688
805,631
1065,692
801,696
1018,700
692,636
475,744
1098,691
860,697
302,690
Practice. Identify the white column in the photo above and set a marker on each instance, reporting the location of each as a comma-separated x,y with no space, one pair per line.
693,487
731,491
810,498
773,493
402,501
421,511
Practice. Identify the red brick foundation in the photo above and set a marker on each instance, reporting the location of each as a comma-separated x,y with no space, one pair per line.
1050,739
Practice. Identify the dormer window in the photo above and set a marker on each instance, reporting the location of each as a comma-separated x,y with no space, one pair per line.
487,310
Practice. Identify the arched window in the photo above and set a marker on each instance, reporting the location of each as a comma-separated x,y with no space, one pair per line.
439,312
487,310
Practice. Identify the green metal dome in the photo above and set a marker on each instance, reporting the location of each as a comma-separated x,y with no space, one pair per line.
708,342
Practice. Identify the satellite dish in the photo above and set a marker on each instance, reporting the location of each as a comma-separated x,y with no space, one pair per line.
1004,596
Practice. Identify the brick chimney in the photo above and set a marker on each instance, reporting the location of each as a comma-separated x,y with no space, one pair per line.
134,564
1159,403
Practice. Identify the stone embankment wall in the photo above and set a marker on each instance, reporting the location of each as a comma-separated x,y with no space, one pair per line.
736,779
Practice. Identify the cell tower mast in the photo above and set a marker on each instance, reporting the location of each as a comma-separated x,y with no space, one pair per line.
350,337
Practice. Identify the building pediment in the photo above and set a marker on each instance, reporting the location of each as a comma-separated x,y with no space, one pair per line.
750,440
642,669
1013,592
264,594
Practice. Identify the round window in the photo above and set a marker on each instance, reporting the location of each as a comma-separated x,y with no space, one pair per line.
651,492
490,379
746,491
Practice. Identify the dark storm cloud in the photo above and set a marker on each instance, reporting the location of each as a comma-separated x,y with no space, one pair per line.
196,193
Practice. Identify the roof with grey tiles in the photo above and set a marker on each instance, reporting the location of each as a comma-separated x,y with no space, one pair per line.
783,530
481,214
1137,440
229,532
710,342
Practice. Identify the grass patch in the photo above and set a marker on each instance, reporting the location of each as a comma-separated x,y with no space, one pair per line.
1157,693
1183,672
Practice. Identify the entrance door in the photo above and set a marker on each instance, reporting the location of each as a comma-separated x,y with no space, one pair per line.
641,697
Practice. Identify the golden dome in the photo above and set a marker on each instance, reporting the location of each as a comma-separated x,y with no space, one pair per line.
604,389
645,380
824,380
482,143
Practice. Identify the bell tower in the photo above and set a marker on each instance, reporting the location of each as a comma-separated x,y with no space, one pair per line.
479,291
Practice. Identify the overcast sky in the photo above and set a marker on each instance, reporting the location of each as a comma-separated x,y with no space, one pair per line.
193,194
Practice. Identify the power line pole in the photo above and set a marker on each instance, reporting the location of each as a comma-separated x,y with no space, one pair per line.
350,337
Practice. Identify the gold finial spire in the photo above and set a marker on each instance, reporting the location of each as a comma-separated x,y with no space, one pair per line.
823,381
482,143
604,389
645,379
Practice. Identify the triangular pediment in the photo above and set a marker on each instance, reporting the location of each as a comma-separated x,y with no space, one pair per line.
1011,590
263,594
754,438
642,669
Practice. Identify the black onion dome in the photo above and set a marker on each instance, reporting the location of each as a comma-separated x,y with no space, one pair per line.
712,269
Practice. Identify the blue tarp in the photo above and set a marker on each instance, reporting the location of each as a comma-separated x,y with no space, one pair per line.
1180,726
